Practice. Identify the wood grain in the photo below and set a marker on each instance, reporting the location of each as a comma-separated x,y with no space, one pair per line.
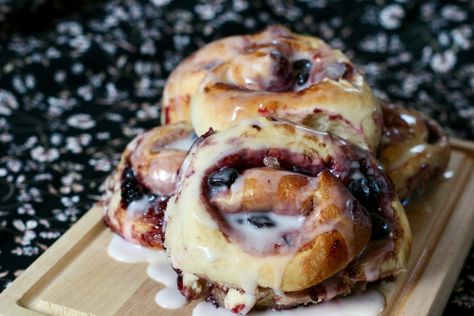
76,276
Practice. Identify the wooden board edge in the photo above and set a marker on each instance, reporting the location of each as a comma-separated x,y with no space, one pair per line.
14,299
410,278
462,144
433,288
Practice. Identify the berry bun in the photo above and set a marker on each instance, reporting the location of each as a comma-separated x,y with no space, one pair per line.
414,148
268,213
138,190
274,73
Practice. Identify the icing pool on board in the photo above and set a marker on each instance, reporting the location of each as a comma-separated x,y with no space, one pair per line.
369,303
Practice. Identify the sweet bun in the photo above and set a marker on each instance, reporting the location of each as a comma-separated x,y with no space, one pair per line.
274,73
138,190
297,208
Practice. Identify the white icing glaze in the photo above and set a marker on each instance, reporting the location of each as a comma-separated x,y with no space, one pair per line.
125,251
448,174
161,175
265,189
210,254
170,298
264,238
417,149
409,119
374,257
159,269
370,303
183,143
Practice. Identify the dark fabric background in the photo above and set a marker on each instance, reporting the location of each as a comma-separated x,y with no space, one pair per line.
78,79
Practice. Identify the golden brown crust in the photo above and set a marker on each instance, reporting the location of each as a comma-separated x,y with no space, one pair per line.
327,106
329,252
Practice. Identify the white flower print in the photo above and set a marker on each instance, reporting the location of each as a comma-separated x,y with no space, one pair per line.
81,121
390,17
443,62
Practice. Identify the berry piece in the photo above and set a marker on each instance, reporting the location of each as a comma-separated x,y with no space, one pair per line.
367,191
223,177
380,228
301,71
131,189
260,221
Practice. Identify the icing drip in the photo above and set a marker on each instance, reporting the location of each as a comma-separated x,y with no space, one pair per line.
159,269
170,298
367,304
182,144
370,303
122,250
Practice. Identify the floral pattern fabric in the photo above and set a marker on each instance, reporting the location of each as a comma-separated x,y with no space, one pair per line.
79,79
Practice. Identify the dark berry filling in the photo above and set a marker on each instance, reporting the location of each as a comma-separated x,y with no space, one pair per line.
301,71
223,177
367,191
434,133
261,221
154,217
281,73
152,213
380,228
282,65
131,189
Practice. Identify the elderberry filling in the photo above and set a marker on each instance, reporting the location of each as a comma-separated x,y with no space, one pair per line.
223,177
301,71
132,190
367,190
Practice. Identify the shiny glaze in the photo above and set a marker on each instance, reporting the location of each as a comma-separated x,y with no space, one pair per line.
159,269
414,148
369,303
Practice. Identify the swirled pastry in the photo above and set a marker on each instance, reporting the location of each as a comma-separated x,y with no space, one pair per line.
138,190
272,214
274,73
413,150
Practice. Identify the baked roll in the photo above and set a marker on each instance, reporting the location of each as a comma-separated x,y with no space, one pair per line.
414,148
274,73
138,190
272,214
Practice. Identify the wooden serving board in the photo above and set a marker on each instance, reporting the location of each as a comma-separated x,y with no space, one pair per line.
76,276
